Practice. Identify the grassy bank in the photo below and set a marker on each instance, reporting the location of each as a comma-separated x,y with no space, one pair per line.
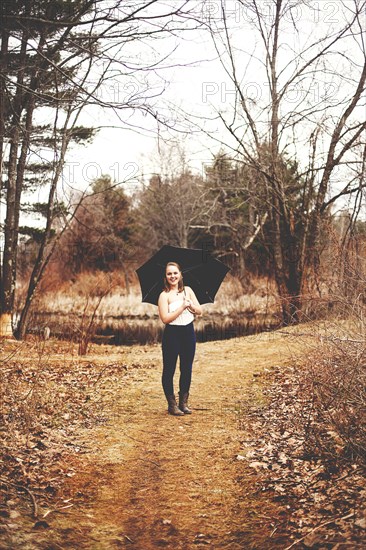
107,293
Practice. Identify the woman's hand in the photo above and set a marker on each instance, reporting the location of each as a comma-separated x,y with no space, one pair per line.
194,305
187,303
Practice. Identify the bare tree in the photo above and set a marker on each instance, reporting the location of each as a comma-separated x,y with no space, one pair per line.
98,238
296,75
57,58
232,214
170,205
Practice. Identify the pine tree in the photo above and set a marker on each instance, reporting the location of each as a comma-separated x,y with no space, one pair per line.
54,59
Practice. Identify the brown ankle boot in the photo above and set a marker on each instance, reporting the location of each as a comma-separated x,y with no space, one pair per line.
183,403
172,406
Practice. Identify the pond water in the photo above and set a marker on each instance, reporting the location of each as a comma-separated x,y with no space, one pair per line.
137,330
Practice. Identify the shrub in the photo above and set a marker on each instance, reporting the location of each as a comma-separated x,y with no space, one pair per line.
335,378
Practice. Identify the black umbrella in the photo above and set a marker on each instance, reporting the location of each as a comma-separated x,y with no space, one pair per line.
203,273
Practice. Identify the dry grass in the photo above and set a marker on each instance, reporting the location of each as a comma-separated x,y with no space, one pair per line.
334,383
71,298
307,439
331,388
335,373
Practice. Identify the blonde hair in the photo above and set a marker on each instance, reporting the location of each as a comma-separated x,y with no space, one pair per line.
180,283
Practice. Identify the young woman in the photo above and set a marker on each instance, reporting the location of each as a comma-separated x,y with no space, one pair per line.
177,307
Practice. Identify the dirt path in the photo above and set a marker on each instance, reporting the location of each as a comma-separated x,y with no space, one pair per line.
152,480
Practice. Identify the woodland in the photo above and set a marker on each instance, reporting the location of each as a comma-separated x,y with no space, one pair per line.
280,199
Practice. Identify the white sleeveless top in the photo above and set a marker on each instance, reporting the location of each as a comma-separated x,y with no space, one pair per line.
184,318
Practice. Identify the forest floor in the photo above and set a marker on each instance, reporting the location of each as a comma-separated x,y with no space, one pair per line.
103,466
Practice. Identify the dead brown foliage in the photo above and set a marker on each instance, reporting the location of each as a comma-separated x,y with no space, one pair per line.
47,397
309,445
335,378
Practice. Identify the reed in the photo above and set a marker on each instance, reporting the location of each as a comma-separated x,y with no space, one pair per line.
230,299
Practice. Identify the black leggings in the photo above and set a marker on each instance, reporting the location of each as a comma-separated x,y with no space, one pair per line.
178,341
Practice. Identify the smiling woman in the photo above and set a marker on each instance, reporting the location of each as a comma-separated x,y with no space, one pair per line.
177,307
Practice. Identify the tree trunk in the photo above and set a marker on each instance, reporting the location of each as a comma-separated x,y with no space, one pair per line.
244,278
10,237
5,318
3,69
10,232
42,260
287,268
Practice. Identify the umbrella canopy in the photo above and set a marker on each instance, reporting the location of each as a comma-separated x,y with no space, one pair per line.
203,273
